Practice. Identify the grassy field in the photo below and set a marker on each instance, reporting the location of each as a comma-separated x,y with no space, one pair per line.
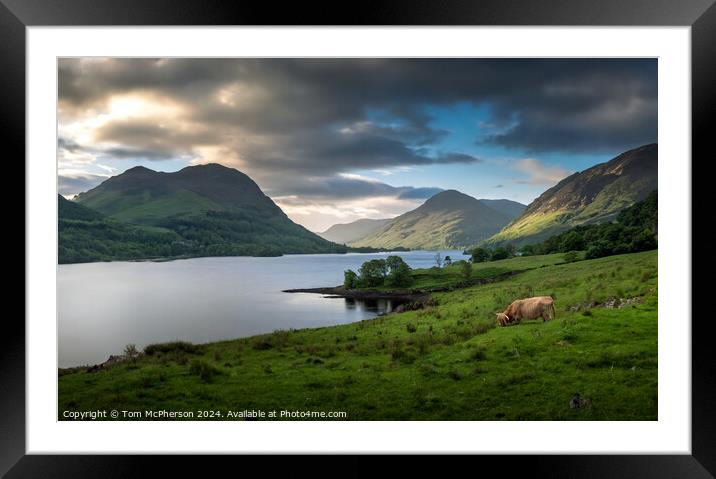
443,362
436,278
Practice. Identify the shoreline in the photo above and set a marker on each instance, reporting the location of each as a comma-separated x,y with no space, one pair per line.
406,294
341,292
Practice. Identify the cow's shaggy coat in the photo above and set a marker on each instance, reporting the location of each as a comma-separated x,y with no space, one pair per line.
528,308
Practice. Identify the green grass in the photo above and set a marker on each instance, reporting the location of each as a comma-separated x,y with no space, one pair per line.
431,278
444,362
151,211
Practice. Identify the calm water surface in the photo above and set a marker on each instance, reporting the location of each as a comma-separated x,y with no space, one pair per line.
104,306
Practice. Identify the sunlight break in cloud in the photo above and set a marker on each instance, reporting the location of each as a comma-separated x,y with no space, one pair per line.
540,173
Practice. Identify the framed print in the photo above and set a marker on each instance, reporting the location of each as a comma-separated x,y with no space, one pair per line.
425,230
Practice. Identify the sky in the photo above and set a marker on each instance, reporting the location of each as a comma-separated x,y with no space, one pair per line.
335,140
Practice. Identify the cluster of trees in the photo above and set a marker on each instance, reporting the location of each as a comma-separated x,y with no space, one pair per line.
99,239
480,255
231,233
635,230
391,271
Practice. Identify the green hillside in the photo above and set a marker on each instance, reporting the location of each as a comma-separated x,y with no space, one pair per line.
85,235
345,233
206,210
449,219
447,361
595,195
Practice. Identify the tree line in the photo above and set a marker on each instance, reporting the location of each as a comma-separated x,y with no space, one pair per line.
635,230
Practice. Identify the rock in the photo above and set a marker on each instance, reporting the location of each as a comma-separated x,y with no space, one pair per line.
579,402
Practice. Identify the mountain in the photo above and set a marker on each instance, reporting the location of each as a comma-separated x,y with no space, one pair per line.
511,208
449,219
595,195
144,196
345,233
205,210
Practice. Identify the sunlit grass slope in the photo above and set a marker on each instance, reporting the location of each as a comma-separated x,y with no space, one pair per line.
444,362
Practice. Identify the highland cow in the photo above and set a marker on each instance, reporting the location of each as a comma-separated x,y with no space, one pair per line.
528,308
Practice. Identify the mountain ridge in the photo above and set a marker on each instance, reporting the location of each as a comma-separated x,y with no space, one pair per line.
594,195
203,210
449,219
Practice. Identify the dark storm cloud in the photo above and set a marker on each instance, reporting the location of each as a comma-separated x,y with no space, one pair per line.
66,145
346,187
320,117
69,185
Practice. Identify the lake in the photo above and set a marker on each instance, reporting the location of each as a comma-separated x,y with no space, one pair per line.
104,306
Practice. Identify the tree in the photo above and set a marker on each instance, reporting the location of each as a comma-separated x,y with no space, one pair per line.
528,250
447,261
572,241
350,279
438,260
399,273
480,255
400,276
373,272
499,253
466,270
643,241
392,262
510,248
598,249
130,352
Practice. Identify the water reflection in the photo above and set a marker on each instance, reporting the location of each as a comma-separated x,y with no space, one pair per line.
104,306
376,306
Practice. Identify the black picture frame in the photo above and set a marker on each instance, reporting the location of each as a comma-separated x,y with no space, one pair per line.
700,15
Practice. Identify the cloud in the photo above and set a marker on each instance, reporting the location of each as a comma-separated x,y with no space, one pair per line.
539,173
419,193
297,125
71,184
254,104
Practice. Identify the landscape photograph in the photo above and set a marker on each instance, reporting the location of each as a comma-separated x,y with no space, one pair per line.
357,239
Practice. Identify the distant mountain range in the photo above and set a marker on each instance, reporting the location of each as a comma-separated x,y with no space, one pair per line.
212,210
595,195
206,210
449,219
345,233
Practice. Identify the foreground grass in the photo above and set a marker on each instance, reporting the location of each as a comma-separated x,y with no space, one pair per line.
444,362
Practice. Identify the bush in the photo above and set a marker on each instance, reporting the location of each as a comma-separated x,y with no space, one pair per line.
204,370
570,256
261,343
174,346
130,352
